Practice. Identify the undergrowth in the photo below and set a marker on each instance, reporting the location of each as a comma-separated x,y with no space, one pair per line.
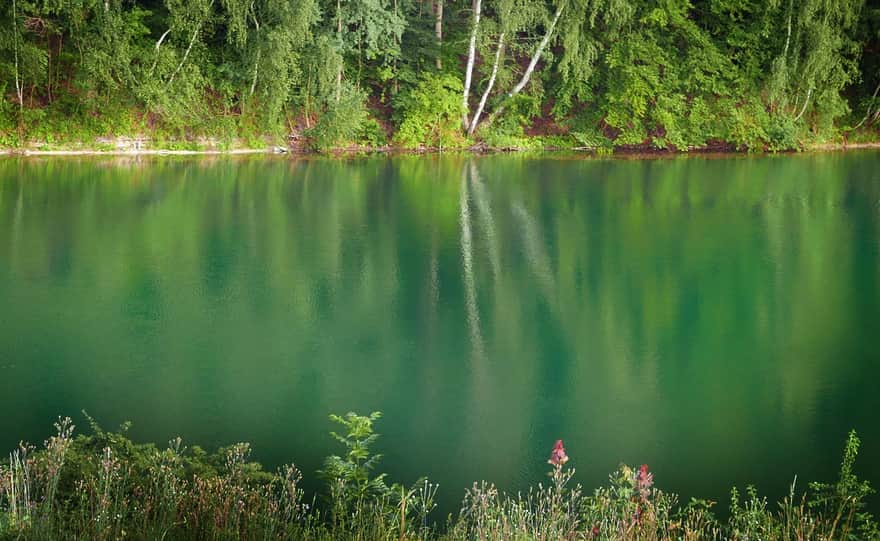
104,486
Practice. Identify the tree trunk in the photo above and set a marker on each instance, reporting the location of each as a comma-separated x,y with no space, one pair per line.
438,32
870,104
161,39
259,51
472,49
531,67
49,66
15,36
256,71
537,56
396,86
189,48
806,102
185,55
788,31
158,44
342,60
480,107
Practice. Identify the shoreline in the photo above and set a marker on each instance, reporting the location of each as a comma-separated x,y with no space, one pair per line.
277,150
143,152
224,493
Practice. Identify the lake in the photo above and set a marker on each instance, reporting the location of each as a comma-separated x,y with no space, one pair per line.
714,317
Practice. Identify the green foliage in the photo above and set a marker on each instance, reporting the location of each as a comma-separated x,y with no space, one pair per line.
845,500
664,74
746,124
818,59
374,29
372,134
431,113
341,122
507,131
592,140
105,486
354,470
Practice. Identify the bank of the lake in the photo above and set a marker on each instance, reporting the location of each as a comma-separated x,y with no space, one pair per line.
125,148
105,486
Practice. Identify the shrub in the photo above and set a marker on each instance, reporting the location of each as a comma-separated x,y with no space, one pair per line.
431,113
341,122
782,133
372,134
746,125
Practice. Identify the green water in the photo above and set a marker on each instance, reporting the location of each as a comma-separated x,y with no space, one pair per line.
717,319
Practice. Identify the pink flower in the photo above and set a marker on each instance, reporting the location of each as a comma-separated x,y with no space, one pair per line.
558,456
645,480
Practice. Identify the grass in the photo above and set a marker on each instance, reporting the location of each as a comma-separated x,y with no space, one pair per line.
105,486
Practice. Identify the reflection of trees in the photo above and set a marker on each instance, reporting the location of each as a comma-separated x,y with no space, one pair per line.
487,221
593,295
470,290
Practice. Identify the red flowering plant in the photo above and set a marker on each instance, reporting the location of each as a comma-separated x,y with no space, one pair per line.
644,480
630,508
561,504
558,457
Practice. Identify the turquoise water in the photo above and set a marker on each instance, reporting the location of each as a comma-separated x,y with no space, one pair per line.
716,318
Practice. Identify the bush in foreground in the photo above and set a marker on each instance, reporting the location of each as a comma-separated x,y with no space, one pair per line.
104,486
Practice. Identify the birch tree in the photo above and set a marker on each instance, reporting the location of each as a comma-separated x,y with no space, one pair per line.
469,70
438,31
192,17
817,59
514,17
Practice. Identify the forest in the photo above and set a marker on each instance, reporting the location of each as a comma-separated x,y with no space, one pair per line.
673,75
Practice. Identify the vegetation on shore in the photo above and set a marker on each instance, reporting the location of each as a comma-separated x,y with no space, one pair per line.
322,74
104,486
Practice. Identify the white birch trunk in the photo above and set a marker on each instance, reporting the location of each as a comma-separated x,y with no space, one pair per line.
162,38
18,89
537,56
534,62
192,42
788,32
438,32
469,71
483,99
806,102
868,112
259,51
158,44
256,71
341,59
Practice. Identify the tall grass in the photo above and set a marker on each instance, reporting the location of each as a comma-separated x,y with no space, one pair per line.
104,486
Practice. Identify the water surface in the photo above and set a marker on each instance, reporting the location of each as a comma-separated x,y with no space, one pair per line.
714,318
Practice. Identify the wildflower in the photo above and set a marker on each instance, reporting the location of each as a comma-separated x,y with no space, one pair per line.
595,531
645,480
558,456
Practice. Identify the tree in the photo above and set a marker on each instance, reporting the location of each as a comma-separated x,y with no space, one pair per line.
438,31
818,58
270,36
367,31
512,17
